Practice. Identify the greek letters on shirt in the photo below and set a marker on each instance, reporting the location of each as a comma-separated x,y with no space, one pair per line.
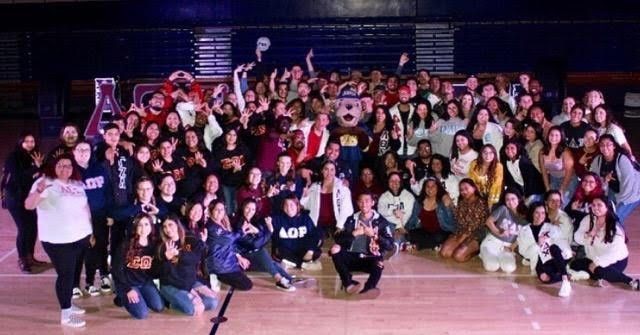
293,232
122,173
94,183
393,207
71,190
142,263
227,163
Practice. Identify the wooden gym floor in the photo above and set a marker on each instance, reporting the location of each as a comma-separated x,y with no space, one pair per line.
421,294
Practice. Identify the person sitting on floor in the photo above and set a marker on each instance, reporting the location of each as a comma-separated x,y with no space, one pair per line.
366,237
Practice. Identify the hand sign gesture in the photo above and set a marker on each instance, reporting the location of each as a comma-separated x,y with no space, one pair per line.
171,250
200,159
274,74
42,185
157,165
203,235
286,75
240,68
138,109
310,54
38,158
263,105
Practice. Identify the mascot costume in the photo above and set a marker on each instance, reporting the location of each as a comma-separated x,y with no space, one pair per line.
353,139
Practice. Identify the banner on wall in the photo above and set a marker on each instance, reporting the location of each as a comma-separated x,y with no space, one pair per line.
106,106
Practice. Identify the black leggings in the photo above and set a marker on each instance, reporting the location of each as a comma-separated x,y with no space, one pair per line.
96,257
424,240
346,262
555,268
612,273
67,260
237,280
27,229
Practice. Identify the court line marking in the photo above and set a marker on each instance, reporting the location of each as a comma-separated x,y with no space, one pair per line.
8,254
521,298
535,325
414,276
528,311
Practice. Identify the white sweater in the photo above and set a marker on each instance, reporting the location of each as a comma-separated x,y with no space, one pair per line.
601,253
531,250
388,203
342,206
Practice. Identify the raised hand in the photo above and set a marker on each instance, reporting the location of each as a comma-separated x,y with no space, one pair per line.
171,250
240,68
310,54
200,159
157,165
404,59
263,105
203,235
268,221
286,75
38,158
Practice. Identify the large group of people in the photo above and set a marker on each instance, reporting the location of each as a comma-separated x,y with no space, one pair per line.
194,185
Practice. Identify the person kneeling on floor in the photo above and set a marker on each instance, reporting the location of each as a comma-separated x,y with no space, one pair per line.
361,245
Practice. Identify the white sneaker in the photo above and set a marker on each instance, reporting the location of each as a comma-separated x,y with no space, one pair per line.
285,264
73,320
525,262
577,275
565,289
77,310
105,285
635,284
214,282
312,266
92,291
77,293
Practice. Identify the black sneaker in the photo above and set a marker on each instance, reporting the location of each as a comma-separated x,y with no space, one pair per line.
285,285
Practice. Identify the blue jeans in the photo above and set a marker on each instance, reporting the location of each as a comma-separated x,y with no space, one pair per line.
181,300
229,198
624,210
261,261
556,182
149,299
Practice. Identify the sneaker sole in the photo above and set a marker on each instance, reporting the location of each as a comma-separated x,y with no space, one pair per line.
74,325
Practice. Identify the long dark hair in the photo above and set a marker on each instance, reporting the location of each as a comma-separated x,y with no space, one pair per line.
561,146
134,246
439,194
23,135
415,118
522,208
532,209
446,166
454,148
388,121
611,220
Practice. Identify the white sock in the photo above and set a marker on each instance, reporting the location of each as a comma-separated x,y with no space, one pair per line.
65,313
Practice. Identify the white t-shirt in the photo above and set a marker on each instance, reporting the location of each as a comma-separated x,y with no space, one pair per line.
63,212
460,165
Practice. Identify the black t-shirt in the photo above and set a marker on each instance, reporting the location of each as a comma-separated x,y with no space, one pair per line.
610,167
574,135
536,231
